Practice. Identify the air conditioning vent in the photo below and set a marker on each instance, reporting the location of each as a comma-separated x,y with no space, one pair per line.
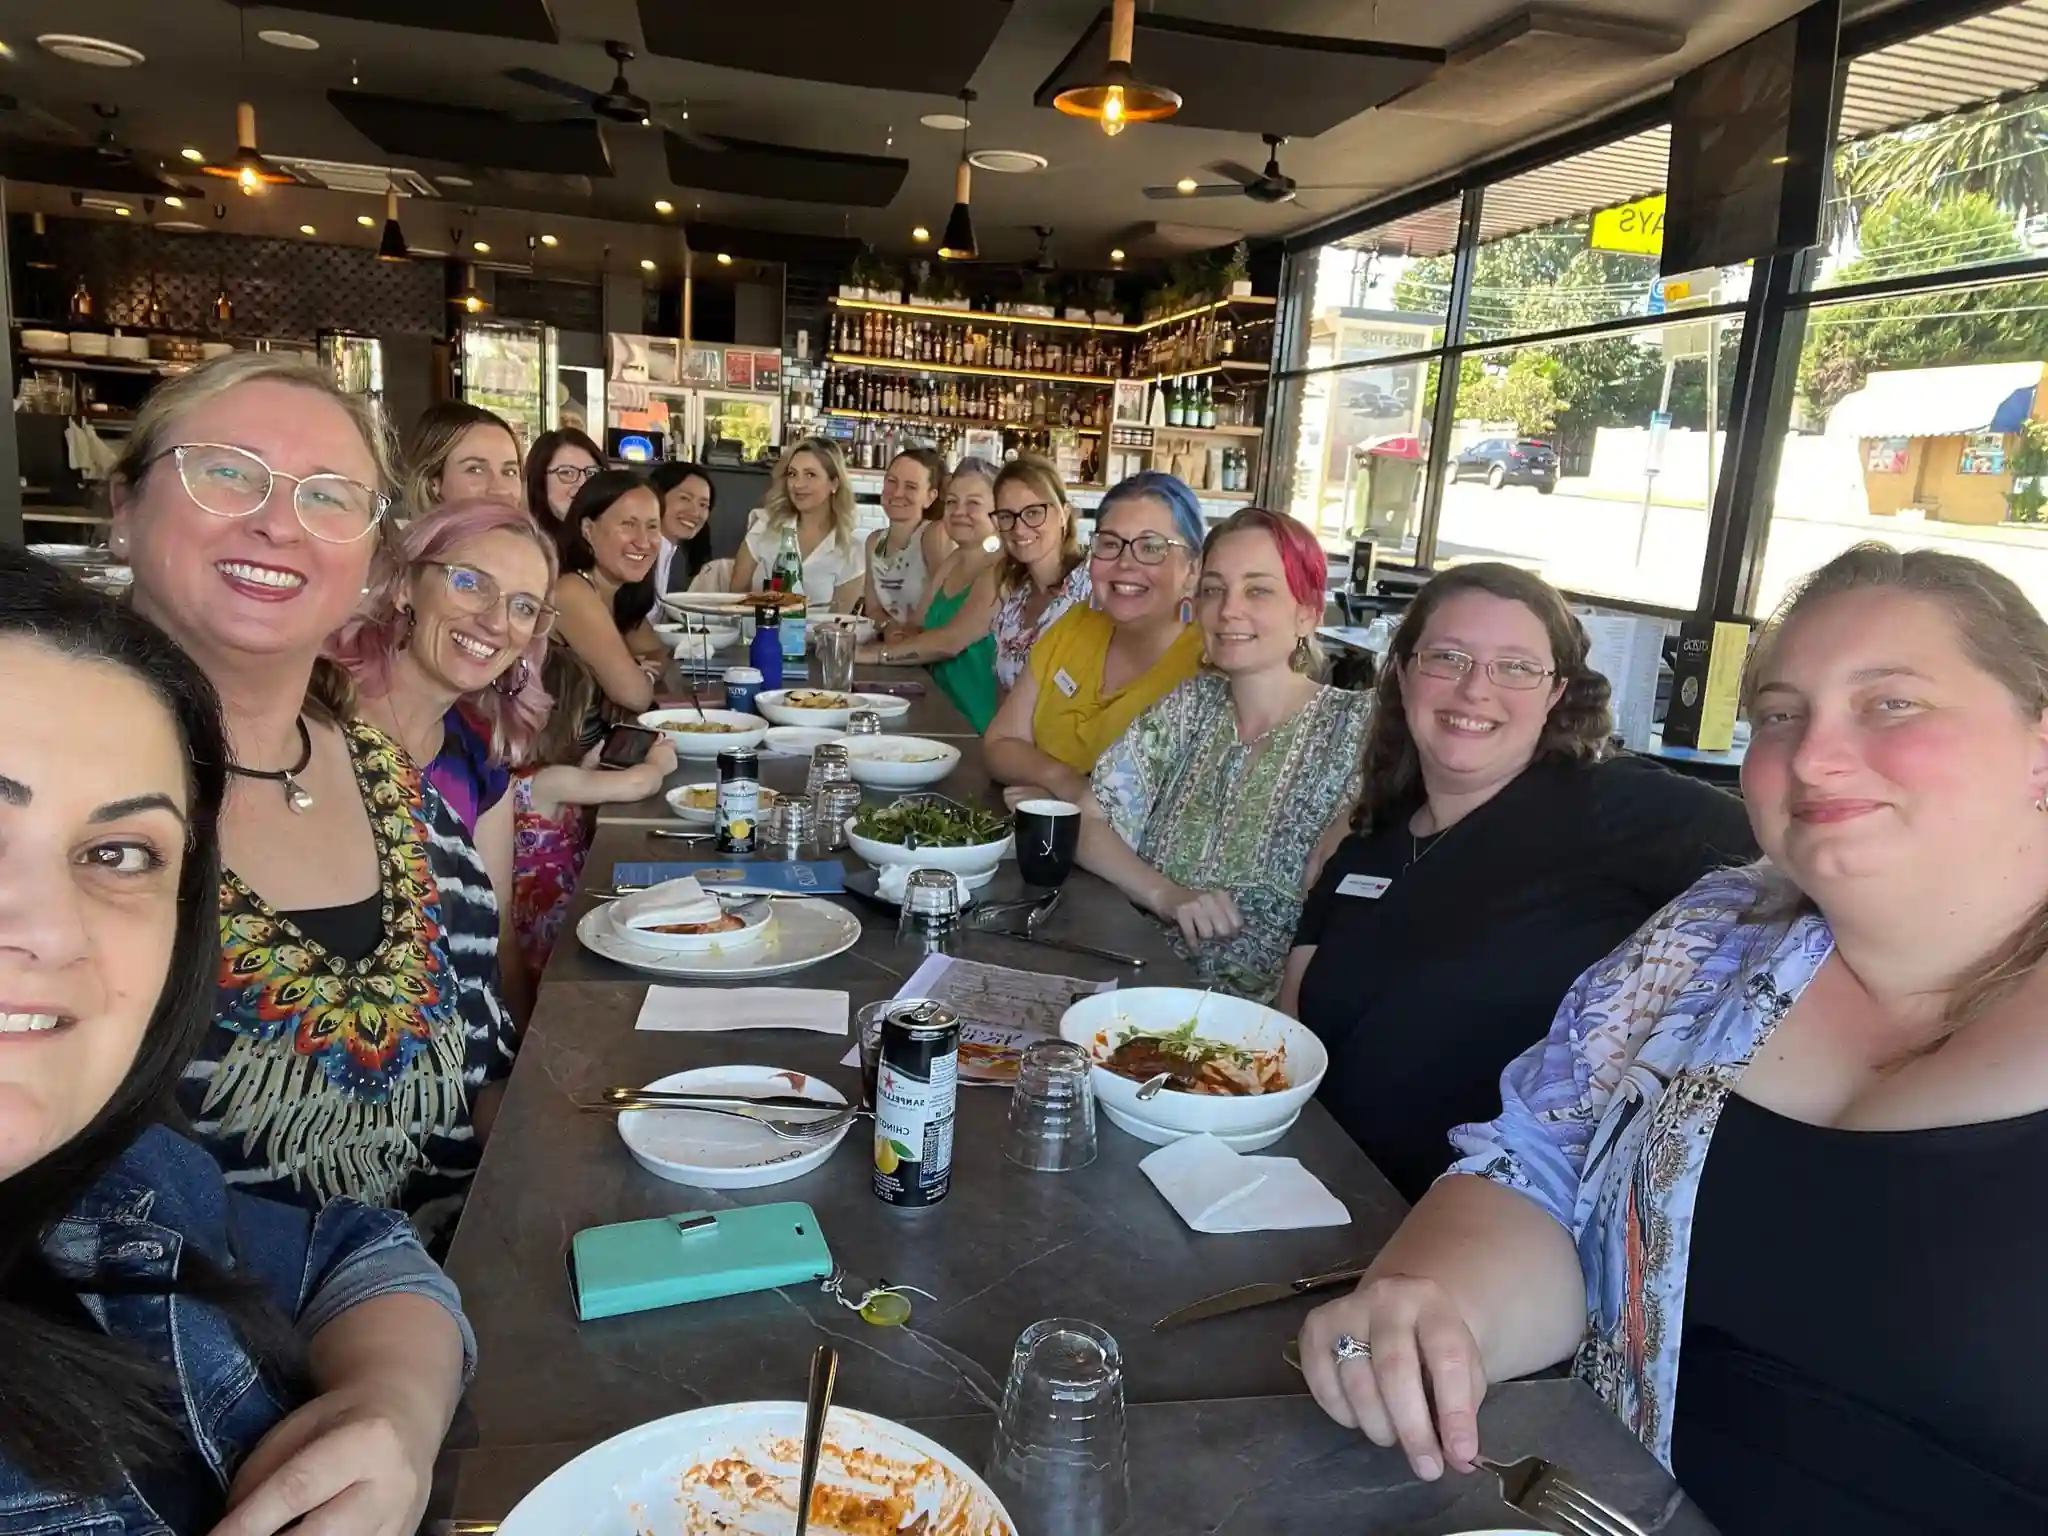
362,180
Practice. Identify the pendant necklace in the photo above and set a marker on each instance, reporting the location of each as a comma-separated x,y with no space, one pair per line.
296,796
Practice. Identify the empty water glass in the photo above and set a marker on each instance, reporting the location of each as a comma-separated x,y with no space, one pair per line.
864,722
1060,1463
1052,1109
789,825
828,766
867,1023
831,808
833,645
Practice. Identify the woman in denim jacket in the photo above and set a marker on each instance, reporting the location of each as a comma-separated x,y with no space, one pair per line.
178,1357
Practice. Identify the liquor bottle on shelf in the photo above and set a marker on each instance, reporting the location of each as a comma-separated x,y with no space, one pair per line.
1174,417
1208,404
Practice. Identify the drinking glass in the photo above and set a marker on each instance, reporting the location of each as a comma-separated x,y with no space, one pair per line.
1060,1463
833,646
1052,1109
867,1024
1048,835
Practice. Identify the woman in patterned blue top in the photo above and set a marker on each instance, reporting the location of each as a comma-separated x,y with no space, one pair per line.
360,1034
1771,1175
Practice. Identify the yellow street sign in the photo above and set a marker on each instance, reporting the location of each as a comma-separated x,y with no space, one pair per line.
1636,228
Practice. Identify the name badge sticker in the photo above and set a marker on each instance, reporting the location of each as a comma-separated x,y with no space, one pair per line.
1371,887
1064,683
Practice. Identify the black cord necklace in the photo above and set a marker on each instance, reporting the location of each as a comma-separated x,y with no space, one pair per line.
296,796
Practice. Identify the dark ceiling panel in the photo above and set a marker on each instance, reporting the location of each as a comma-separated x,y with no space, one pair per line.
896,45
784,171
79,167
429,130
1251,82
529,21
771,244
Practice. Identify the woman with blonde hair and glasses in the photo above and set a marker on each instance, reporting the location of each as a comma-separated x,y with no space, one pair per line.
1208,809
1498,849
811,493
359,1032
1769,1175
1045,568
460,452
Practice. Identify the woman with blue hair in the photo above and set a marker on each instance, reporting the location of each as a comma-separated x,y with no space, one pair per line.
1092,673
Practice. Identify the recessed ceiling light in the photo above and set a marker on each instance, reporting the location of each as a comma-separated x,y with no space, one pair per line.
1186,184
724,260
1010,161
663,205
455,181
482,248
946,122
1117,254
646,265
366,221
920,233
174,202
307,229
6,52
196,156
89,50
549,241
123,212
277,37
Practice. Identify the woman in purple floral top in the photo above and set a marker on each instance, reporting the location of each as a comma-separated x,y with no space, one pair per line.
1044,570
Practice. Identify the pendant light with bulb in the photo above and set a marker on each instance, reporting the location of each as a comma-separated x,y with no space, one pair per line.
392,247
248,170
958,241
1117,96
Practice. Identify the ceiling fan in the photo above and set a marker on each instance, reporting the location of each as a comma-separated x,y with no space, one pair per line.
1267,186
618,102
101,163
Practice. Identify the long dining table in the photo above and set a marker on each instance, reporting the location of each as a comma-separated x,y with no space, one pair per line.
1223,1437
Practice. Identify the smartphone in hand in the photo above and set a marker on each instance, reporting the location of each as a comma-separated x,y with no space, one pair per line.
627,746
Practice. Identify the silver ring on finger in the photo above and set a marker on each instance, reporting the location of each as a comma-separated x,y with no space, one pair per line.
1348,1349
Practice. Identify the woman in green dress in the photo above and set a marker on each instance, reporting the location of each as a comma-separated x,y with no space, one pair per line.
952,636
1210,810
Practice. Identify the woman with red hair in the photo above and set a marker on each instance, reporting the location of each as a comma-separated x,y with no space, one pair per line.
1208,810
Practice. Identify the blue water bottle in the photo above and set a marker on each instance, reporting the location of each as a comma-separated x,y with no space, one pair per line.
766,650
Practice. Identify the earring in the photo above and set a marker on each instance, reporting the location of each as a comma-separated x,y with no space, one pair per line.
412,622
1304,657
2041,804
515,680
1187,610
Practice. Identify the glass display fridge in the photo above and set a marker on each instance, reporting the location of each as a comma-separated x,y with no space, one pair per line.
355,361
711,403
509,366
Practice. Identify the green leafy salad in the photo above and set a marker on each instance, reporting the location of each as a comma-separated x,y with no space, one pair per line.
924,824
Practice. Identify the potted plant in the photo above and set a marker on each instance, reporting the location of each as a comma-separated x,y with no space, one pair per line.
924,288
1237,271
1033,297
1107,310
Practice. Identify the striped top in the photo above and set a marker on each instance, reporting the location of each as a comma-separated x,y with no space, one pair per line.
326,1076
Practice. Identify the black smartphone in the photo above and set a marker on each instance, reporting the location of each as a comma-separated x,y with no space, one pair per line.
627,746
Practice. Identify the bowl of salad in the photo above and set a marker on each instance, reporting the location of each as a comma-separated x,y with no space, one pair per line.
928,832
1241,1070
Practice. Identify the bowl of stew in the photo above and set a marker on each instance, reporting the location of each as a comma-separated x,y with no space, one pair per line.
1240,1069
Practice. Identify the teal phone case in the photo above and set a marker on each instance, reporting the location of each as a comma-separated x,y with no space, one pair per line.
636,1266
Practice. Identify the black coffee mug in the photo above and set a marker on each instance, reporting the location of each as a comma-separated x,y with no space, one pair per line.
1048,833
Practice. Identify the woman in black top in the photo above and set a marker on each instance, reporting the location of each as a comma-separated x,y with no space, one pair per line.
1497,853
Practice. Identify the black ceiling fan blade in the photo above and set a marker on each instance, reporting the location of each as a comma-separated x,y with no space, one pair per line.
82,168
1243,175
554,85
12,105
1341,186
703,143
1167,194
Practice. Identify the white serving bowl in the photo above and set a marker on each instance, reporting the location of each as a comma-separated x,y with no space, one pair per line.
687,644
755,917
899,762
887,705
89,344
1097,1024
864,630
974,859
774,703
668,1477
747,730
45,341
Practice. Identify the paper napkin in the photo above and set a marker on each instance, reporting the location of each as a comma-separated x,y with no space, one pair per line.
704,1010
1209,1184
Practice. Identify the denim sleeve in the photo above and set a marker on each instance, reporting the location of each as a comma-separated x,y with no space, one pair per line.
358,1253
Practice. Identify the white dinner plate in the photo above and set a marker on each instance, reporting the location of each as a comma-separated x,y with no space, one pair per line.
712,1151
804,932
887,705
1160,1136
733,1468
798,740
719,603
678,801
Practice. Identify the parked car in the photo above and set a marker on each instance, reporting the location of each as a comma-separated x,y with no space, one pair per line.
1503,461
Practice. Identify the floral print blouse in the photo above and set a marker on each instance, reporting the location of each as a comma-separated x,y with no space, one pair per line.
1605,1124
1014,637
1211,813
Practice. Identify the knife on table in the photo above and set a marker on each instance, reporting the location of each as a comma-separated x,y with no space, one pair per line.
1263,1294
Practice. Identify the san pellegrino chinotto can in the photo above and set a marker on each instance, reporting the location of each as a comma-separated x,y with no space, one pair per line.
916,1083
739,799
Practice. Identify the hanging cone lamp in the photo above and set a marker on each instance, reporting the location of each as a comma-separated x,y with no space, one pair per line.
1117,97
392,247
958,242
248,170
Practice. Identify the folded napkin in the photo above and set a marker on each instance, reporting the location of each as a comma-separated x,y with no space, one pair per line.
892,878
1209,1184
681,901
703,1010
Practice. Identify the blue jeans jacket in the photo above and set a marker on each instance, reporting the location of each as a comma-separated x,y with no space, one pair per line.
166,1195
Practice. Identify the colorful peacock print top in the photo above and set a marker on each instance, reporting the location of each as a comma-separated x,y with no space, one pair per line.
326,1077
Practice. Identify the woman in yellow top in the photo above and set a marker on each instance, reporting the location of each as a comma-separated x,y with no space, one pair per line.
1099,667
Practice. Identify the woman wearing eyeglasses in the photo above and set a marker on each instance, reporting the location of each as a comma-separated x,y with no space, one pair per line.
1044,571
1092,673
557,465
446,654
359,1027
1497,851
460,452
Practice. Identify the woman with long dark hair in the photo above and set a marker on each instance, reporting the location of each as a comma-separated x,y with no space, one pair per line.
322,1369
687,499
607,545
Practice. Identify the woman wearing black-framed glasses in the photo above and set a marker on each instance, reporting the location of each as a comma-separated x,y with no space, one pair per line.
557,466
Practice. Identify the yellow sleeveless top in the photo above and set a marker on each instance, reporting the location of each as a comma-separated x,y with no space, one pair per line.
1075,721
